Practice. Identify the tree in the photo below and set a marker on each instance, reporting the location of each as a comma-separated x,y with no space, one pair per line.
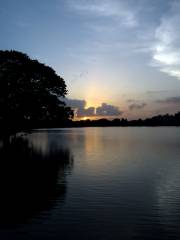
30,91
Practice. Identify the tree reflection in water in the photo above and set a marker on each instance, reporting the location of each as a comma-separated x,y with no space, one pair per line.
31,181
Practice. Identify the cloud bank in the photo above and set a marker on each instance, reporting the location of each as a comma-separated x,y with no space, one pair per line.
170,100
108,110
166,50
80,110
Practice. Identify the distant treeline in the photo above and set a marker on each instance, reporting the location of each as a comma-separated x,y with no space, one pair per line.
160,120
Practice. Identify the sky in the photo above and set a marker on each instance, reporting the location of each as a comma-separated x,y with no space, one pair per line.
119,58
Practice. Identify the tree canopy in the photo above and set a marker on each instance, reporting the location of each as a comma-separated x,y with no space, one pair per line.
30,90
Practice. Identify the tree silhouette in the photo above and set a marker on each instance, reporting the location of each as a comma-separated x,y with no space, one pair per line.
30,91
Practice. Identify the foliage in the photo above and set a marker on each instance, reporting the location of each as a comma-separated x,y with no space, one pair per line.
30,90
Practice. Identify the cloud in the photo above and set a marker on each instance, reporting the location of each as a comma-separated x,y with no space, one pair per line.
136,106
114,9
171,100
75,103
130,100
156,92
146,27
166,50
131,27
90,112
80,110
108,110
79,107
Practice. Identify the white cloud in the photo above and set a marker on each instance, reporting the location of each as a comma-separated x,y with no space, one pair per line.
114,9
166,50
128,28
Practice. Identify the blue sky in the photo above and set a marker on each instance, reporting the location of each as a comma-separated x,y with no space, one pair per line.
118,57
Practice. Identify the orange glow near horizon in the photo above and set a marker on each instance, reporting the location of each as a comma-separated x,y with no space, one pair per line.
95,103
92,101
84,118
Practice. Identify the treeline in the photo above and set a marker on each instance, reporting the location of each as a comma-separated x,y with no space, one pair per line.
160,120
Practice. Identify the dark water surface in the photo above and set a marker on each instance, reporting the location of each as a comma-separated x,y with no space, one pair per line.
91,183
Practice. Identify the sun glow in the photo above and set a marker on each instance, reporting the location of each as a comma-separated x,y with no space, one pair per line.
91,102
84,118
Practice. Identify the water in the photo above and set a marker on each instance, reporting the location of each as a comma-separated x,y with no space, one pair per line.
91,183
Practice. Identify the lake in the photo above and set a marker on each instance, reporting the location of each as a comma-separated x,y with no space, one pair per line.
91,183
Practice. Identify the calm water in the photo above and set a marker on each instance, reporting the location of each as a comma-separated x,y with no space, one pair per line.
91,183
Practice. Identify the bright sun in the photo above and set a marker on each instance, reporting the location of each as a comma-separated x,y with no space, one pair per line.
85,118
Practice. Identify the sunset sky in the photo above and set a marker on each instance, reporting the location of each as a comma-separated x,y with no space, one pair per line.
119,58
